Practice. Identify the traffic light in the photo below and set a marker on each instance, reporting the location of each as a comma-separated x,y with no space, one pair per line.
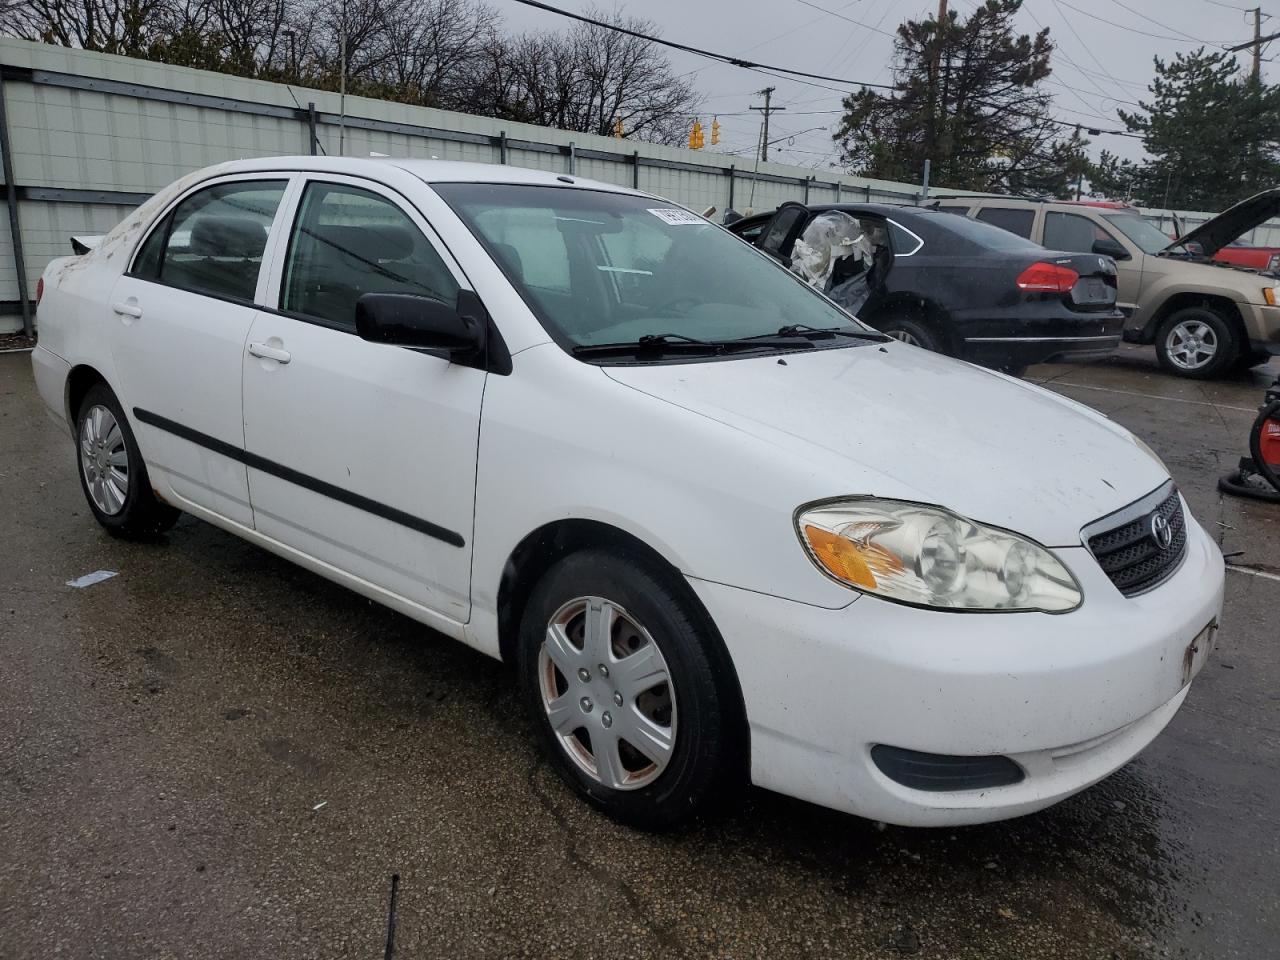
617,129
715,130
696,136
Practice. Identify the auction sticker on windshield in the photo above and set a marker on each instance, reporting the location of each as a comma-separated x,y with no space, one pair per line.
675,217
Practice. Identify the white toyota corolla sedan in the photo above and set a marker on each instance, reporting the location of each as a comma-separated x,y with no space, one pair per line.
721,529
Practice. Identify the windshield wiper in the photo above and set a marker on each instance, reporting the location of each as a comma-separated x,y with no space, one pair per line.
664,342
803,331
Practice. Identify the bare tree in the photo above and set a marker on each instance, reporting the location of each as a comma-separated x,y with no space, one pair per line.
443,53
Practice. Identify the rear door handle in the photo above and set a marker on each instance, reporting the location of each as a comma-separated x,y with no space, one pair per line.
127,309
269,353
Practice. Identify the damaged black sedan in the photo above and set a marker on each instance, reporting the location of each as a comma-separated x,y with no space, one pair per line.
947,283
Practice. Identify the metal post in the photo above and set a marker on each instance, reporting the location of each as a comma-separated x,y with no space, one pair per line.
731,169
311,126
15,228
807,181
924,187
838,191
867,190
502,146
572,157
635,169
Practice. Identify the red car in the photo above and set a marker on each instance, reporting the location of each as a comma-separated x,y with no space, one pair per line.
1244,255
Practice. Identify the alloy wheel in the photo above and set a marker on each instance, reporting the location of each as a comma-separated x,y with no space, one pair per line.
104,460
607,691
1191,345
906,336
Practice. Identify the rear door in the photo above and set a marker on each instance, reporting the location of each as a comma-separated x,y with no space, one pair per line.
179,319
362,455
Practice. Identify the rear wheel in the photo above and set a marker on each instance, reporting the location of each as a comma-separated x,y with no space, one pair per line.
112,474
1197,342
619,672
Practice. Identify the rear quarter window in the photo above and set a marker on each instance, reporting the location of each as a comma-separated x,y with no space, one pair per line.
1014,220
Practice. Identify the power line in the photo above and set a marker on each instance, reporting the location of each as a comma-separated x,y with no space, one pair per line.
785,73
1121,26
1142,16
697,51
841,16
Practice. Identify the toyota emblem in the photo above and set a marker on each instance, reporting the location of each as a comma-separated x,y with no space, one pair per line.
1161,532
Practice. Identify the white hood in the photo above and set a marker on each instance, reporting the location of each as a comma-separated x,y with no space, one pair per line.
917,426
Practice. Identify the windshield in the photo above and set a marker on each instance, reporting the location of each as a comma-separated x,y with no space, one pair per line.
598,267
1140,231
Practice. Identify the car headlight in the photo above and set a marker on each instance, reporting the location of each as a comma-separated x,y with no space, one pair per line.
930,557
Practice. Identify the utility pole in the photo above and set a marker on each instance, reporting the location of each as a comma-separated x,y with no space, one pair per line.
767,109
342,84
935,76
1256,43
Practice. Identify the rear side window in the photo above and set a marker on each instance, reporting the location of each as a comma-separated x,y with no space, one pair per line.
347,242
1013,220
213,241
1071,232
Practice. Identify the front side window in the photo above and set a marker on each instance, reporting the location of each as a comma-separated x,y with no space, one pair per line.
1009,218
213,241
608,267
347,242
1141,231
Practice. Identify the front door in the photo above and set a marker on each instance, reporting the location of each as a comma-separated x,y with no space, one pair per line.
179,319
362,455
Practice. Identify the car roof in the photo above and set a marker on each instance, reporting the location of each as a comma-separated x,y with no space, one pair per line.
429,171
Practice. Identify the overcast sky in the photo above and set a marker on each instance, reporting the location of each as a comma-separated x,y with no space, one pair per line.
1097,67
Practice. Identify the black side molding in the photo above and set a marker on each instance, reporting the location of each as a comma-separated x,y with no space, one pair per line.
322,487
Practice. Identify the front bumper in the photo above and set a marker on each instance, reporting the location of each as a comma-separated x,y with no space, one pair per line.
1262,323
1069,697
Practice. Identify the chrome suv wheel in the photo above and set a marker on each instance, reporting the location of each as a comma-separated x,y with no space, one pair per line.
1197,342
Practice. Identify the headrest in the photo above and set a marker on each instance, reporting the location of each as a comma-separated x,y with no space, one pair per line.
213,236
372,242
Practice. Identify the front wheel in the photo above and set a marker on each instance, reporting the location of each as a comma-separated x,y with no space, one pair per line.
112,474
912,330
628,690
1196,342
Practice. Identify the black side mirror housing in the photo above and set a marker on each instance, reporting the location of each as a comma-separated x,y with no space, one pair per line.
1110,248
407,320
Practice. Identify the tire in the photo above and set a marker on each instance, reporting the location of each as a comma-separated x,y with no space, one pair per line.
112,475
911,329
691,760
1197,342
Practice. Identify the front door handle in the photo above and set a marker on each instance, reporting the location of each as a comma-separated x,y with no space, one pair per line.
267,352
127,309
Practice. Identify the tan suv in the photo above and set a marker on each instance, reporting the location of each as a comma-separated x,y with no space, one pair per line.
1203,316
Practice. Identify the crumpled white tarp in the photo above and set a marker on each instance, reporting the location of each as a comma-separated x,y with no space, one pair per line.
829,238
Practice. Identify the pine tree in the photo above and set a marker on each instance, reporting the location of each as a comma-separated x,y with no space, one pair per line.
1213,135
980,115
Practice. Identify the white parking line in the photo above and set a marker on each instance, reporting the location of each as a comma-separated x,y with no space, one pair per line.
1265,575
1135,393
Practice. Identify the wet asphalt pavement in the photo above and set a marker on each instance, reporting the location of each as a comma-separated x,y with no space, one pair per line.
217,754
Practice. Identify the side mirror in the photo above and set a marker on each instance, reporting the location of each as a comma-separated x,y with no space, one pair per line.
1107,247
1194,249
407,320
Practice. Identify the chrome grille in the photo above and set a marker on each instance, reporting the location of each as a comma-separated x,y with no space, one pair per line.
1125,544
